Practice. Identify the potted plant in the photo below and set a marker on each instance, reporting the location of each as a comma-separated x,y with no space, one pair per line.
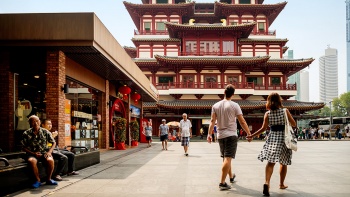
135,132
120,134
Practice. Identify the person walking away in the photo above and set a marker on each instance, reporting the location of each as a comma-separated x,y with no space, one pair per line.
64,157
274,149
201,131
34,142
148,131
336,135
226,112
185,130
163,134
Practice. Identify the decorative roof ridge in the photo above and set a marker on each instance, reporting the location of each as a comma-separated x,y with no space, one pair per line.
156,39
129,47
263,39
292,60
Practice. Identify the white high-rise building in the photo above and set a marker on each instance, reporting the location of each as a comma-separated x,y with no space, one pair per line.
304,86
328,75
348,44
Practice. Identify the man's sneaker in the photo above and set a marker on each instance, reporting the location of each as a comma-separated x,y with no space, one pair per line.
186,154
51,182
73,173
224,186
232,180
37,184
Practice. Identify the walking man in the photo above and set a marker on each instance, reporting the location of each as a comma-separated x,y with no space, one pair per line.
163,134
34,141
225,112
185,130
148,131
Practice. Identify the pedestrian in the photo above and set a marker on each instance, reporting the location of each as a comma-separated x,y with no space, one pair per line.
274,149
226,112
322,132
148,131
163,134
64,157
34,142
201,131
185,130
336,135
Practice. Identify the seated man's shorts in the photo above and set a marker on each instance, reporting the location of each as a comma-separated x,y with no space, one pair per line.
228,146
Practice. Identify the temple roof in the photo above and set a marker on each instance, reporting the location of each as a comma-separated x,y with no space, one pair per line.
263,40
139,41
290,66
138,10
244,104
271,11
131,51
243,29
211,60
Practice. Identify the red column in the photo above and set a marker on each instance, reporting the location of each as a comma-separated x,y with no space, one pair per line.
55,97
266,81
151,50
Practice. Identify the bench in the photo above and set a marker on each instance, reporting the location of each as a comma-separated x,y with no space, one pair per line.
17,175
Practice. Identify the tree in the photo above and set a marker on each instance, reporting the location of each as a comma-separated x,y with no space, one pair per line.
344,103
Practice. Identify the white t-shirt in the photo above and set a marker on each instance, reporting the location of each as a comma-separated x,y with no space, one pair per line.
185,128
148,130
226,112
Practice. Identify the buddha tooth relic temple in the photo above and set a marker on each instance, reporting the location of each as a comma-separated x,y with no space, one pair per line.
190,51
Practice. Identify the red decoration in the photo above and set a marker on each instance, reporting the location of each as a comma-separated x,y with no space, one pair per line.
125,90
136,97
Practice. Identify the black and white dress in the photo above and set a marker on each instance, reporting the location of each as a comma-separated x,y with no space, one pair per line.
274,149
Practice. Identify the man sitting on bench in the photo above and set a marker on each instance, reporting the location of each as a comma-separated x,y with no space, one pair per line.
34,141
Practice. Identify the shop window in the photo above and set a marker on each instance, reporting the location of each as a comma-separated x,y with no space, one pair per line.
85,117
244,2
166,79
261,26
160,26
275,80
147,26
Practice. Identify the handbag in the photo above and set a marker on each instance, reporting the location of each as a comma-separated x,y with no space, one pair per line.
289,138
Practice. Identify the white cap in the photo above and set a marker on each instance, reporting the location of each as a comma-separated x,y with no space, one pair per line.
163,120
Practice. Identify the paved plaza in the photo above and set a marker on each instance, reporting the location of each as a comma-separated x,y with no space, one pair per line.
319,168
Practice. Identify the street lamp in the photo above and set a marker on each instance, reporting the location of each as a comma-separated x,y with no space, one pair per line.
330,120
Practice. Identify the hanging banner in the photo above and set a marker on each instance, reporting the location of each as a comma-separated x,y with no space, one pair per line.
67,123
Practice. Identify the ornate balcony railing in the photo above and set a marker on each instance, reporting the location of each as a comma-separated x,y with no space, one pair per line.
269,33
207,53
219,85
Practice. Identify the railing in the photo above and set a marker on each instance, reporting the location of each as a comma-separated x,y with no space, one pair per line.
219,85
150,32
207,53
270,32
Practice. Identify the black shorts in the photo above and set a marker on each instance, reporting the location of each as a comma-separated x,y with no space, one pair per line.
228,146
148,138
164,137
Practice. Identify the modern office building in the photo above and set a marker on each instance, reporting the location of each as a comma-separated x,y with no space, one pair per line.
328,75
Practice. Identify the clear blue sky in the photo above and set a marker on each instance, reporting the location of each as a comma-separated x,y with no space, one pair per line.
309,25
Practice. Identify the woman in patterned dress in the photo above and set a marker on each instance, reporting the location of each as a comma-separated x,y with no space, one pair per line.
274,149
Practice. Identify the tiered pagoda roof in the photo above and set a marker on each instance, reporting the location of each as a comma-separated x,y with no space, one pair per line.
148,41
131,51
271,11
263,40
242,30
138,10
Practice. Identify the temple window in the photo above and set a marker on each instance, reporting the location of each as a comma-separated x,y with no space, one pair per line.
147,26
232,79
191,47
210,81
275,80
165,79
160,26
255,80
162,1
187,78
209,47
228,47
233,23
261,26
244,2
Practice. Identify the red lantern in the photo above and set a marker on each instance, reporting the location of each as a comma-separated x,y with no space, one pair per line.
136,97
125,90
